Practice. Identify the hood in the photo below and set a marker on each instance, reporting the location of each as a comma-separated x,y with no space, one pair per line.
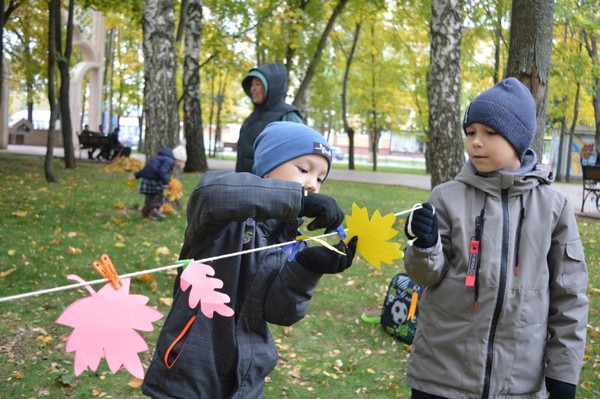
166,152
276,85
530,175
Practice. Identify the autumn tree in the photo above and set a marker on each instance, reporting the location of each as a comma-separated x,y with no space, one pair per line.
530,53
160,97
53,8
63,60
192,114
445,151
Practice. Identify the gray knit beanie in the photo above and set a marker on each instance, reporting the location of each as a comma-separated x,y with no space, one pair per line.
509,109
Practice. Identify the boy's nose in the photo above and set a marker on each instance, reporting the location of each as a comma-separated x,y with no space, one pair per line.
310,186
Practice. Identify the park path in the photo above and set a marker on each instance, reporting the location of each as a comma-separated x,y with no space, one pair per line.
574,191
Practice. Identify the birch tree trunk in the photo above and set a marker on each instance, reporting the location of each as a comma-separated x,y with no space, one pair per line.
192,114
446,150
160,96
529,56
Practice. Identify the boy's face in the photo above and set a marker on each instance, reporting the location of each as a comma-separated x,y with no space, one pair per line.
257,91
308,170
489,151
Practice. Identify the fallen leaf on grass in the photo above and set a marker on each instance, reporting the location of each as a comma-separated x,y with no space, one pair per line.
135,383
11,252
162,251
74,251
166,301
18,375
20,214
7,272
148,277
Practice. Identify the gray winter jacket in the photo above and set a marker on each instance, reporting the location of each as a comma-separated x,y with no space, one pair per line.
531,313
229,357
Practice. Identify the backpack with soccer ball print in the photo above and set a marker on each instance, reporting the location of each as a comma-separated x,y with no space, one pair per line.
400,308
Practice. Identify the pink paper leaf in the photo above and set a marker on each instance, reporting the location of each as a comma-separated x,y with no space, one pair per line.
203,290
105,323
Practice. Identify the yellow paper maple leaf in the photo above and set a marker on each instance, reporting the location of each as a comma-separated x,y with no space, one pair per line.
373,236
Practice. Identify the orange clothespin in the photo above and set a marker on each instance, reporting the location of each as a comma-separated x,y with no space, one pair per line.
106,269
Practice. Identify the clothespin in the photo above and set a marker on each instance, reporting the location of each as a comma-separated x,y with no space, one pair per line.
340,230
106,269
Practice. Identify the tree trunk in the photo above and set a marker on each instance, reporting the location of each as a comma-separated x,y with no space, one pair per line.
591,45
53,15
192,113
160,97
301,99
64,101
347,128
446,150
561,143
529,56
374,128
572,132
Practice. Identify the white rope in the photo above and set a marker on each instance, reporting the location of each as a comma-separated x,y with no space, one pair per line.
164,268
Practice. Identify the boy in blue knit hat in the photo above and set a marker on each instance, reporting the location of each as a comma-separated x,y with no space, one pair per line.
229,357
505,312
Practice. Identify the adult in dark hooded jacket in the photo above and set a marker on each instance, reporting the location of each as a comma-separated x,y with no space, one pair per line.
267,87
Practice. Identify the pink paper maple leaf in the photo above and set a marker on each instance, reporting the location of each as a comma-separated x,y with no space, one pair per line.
104,323
203,290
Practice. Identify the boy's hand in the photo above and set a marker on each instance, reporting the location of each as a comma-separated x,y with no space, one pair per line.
422,225
324,209
325,261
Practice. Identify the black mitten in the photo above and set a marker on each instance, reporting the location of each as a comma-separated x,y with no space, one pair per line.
422,225
559,389
324,209
325,261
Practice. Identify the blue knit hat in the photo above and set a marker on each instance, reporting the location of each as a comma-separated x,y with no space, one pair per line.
281,142
509,109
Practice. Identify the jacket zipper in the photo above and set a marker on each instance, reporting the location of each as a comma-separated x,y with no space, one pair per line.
500,297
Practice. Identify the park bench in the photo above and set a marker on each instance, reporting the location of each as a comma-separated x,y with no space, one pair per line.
591,184
92,142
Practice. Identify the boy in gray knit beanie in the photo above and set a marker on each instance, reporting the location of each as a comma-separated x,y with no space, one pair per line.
500,254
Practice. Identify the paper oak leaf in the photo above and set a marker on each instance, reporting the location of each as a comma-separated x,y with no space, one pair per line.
105,323
373,236
197,275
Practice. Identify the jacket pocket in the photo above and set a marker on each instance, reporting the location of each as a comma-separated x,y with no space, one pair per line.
177,345
574,272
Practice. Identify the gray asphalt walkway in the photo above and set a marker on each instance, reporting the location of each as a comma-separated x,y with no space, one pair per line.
573,191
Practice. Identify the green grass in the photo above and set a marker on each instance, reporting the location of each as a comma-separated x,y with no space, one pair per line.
52,230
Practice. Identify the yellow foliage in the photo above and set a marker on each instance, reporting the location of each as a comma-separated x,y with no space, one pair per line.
167,209
174,190
124,164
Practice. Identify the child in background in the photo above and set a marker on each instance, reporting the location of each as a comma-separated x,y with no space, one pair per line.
228,212
156,176
505,310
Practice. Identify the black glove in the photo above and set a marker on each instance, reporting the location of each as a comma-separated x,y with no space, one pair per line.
560,390
324,209
422,224
325,261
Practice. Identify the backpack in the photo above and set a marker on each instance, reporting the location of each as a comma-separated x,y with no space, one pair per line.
400,308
